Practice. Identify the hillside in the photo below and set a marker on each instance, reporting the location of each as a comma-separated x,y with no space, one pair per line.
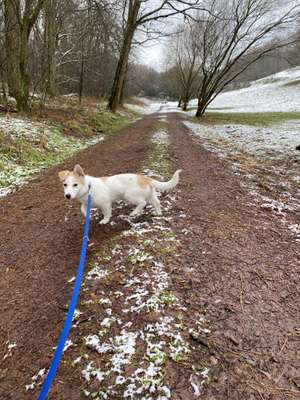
278,92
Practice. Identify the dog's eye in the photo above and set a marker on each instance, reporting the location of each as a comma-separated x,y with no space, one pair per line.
75,184
65,185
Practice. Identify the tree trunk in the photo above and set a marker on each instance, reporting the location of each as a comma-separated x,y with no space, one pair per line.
16,40
185,104
201,107
81,77
120,74
122,96
17,31
50,42
179,102
3,97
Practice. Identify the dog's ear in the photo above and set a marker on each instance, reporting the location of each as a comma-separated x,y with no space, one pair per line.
78,170
63,174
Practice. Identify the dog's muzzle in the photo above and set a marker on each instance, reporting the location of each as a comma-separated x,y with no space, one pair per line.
68,196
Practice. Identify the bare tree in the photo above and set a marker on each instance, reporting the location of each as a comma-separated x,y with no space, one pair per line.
187,62
136,14
235,34
20,17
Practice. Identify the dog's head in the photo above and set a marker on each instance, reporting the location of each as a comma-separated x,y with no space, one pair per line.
73,182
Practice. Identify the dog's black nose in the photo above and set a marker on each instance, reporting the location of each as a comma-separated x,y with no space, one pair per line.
68,196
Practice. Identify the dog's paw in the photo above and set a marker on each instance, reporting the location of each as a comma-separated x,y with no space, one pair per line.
104,221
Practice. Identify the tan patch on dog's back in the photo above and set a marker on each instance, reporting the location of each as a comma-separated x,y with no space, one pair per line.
104,178
143,181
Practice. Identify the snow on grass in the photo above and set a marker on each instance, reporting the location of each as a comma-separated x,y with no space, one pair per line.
28,147
97,272
124,348
265,156
271,94
90,373
257,141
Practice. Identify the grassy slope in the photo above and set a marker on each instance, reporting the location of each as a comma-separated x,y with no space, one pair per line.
48,136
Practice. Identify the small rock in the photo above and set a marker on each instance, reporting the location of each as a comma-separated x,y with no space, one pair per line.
213,361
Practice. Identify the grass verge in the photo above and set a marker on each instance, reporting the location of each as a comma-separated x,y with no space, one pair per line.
255,119
29,144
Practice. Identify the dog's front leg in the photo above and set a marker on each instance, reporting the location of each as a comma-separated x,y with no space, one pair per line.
84,209
106,210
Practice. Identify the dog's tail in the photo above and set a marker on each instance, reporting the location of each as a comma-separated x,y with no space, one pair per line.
164,186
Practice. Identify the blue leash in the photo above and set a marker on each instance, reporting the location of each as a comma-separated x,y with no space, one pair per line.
68,321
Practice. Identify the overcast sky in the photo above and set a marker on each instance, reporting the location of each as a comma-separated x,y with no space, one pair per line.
154,56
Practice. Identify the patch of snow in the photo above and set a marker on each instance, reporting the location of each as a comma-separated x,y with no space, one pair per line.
10,346
36,380
160,137
93,342
295,229
124,349
91,372
97,273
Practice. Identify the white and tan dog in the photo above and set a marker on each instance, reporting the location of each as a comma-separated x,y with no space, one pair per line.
133,188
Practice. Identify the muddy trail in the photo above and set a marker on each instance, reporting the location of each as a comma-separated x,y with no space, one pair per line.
202,302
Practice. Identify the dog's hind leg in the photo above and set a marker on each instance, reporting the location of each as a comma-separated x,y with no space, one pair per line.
138,199
139,208
155,202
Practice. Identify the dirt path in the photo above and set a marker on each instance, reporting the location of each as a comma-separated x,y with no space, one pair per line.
221,274
39,252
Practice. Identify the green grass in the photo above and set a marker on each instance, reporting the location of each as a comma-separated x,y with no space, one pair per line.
88,122
256,119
